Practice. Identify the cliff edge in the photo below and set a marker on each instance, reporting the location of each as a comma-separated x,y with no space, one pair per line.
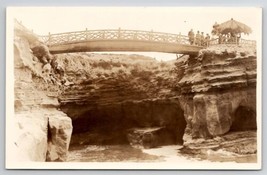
42,131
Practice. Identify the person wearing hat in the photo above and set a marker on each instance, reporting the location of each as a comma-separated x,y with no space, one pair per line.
202,41
191,36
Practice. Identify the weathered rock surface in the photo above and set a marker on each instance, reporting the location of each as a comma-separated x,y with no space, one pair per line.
30,137
110,78
150,137
219,91
218,68
36,103
59,135
239,146
107,94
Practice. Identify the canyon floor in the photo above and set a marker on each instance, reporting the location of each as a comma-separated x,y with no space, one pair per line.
242,150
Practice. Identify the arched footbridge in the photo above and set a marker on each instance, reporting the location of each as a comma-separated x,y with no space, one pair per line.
119,40
129,41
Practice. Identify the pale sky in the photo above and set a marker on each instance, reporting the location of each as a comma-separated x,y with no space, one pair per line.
159,19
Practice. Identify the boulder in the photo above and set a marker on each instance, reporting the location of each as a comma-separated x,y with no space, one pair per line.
30,137
60,130
150,137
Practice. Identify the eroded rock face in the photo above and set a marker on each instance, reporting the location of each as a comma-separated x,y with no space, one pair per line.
218,88
112,78
108,94
240,147
36,105
210,115
59,135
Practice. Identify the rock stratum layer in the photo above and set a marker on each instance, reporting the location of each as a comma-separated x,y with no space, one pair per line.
219,91
42,131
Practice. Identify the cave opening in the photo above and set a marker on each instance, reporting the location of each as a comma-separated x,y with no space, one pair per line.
244,119
145,123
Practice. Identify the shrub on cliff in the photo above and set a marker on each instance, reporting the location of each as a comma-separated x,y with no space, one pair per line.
145,74
42,53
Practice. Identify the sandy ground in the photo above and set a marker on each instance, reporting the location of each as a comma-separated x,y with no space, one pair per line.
171,154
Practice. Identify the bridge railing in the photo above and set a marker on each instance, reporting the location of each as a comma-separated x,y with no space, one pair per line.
91,35
240,42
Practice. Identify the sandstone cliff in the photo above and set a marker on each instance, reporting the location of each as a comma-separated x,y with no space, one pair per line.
42,131
219,91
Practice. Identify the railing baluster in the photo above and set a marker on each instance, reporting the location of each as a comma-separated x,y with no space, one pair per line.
49,39
135,35
119,33
103,35
150,35
86,34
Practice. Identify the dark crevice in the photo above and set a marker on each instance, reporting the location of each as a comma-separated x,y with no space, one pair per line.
49,133
244,119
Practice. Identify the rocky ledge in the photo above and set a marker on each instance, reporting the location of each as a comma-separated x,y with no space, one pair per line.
218,93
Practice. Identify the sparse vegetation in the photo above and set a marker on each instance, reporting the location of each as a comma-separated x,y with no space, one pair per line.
153,76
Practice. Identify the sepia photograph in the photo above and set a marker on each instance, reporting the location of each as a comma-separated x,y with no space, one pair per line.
133,88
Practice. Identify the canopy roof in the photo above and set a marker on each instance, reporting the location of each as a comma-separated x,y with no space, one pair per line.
233,26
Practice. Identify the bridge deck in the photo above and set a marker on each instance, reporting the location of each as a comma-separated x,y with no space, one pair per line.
119,40
123,40
124,45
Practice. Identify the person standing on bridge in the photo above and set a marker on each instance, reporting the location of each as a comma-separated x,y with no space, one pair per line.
191,36
198,39
238,36
207,40
202,39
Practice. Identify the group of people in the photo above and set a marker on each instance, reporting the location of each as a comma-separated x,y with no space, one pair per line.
229,38
198,39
